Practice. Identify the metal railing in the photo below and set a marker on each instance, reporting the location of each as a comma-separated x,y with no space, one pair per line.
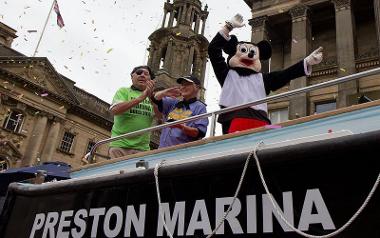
214,114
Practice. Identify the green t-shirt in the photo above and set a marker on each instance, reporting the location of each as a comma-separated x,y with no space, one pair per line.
136,118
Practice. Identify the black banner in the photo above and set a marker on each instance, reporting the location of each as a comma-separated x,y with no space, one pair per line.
318,186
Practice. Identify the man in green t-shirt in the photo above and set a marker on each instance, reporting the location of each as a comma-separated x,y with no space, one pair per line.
132,111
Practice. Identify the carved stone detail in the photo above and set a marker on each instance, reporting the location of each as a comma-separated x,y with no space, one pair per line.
299,12
258,22
341,4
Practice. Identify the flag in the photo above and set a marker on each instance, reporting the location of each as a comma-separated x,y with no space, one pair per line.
60,22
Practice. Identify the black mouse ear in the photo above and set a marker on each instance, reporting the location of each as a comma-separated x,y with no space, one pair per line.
230,47
265,49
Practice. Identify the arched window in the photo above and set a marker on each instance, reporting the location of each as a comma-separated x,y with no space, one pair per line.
14,121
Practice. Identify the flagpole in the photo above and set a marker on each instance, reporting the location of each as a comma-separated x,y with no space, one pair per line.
43,30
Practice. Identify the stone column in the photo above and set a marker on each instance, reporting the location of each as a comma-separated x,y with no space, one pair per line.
259,33
190,60
171,19
344,23
376,6
33,147
163,20
150,57
197,25
168,56
301,42
203,26
51,141
183,14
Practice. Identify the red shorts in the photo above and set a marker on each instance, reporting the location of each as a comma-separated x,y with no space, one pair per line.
241,124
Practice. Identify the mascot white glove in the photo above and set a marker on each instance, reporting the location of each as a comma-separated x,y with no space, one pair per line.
235,22
315,57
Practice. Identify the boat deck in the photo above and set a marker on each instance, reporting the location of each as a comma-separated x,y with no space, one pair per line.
351,120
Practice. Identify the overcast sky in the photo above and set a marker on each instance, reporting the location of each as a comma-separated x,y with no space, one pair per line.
104,39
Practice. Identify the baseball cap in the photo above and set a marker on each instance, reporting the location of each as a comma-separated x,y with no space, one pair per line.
189,78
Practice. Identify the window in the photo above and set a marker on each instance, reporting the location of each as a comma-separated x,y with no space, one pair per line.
325,106
89,146
14,121
279,115
67,142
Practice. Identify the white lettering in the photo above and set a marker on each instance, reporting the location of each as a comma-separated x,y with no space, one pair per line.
38,223
96,213
80,222
204,223
138,223
268,211
221,203
119,221
63,223
251,214
314,196
51,221
178,216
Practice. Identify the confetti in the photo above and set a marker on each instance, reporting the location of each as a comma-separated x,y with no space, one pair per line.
32,31
280,10
20,96
178,33
44,94
109,50
66,67
342,69
62,107
83,67
295,41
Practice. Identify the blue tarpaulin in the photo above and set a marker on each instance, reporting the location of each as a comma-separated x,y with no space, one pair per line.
54,170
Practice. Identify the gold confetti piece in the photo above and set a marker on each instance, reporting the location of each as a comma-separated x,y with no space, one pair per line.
109,50
5,82
62,107
178,33
37,112
20,96
342,69
36,93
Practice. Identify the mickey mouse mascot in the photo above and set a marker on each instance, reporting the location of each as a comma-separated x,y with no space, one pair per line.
241,80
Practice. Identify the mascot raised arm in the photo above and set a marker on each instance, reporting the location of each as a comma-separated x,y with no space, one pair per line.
241,79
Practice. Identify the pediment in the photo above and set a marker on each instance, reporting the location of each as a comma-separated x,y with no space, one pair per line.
39,72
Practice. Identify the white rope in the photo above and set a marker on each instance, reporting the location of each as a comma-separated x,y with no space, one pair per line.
158,166
279,212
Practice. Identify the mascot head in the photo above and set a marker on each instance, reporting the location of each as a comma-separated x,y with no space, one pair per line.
247,55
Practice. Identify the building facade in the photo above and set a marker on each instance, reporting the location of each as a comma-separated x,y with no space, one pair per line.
179,47
348,30
43,116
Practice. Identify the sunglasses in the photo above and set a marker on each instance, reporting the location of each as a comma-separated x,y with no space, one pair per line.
141,71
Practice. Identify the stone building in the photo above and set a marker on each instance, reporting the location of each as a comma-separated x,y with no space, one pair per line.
43,116
179,47
348,30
